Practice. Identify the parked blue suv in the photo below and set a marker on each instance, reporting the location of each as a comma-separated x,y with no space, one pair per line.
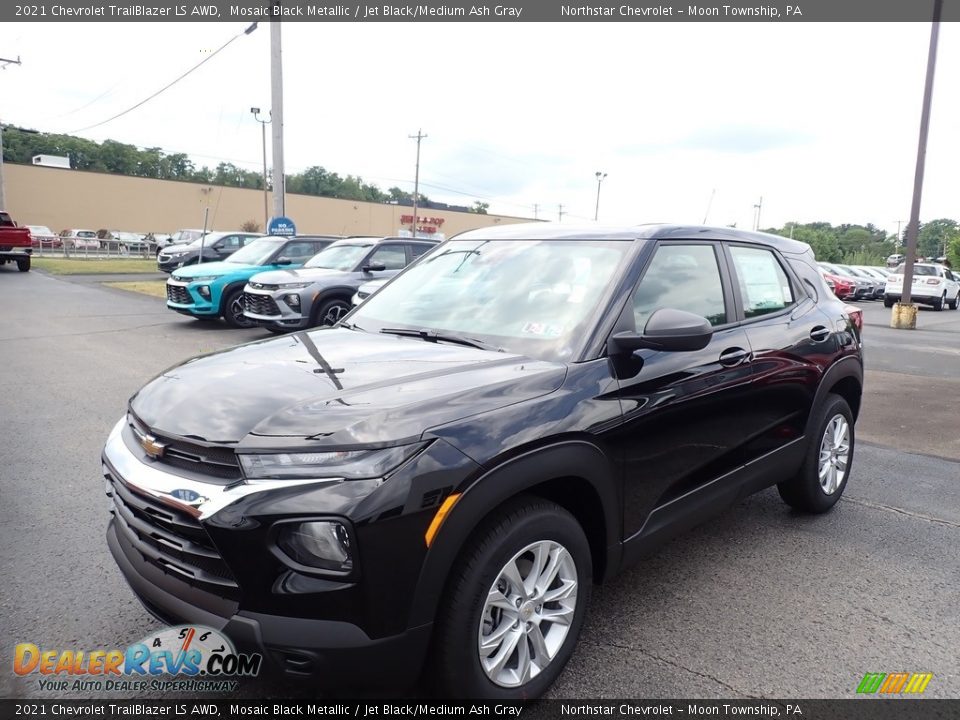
214,289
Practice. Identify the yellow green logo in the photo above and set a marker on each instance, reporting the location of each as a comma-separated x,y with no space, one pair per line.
894,683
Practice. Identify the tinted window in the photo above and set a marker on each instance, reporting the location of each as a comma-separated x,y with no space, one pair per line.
230,242
299,249
682,277
418,249
764,286
392,257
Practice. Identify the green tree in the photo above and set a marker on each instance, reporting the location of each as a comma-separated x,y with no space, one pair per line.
480,207
935,236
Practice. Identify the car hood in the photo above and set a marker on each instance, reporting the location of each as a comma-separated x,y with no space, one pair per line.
211,268
336,387
276,277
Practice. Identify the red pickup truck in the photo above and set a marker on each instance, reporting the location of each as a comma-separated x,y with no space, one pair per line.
16,245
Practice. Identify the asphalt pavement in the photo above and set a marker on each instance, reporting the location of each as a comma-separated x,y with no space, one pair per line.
761,602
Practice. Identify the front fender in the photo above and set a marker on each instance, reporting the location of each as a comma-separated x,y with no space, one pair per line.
522,473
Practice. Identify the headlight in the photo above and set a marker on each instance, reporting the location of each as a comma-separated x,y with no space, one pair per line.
351,464
294,286
321,544
203,278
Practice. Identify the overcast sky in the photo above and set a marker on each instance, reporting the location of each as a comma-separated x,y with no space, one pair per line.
821,120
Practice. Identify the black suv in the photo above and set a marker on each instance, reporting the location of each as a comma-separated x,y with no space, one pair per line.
438,480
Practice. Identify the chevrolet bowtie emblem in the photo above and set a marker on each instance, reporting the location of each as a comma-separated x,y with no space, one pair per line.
150,445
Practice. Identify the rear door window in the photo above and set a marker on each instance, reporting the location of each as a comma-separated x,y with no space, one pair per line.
764,285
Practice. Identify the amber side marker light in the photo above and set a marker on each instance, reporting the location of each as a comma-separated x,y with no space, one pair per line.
438,519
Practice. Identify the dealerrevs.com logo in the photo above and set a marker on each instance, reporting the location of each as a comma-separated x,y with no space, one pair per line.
201,654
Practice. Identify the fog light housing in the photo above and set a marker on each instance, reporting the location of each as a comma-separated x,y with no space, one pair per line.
293,300
321,544
204,290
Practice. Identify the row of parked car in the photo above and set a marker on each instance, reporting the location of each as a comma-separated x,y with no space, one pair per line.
282,284
112,240
933,284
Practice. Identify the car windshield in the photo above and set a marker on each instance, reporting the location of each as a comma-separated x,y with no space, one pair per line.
538,298
257,252
917,269
338,257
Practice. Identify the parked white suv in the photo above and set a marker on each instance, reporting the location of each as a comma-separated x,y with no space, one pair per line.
932,285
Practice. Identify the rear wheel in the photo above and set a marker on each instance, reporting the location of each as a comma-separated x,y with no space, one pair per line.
233,310
23,265
955,303
822,478
940,301
331,312
515,604
888,302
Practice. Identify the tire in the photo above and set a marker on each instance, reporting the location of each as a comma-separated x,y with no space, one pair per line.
511,538
938,303
887,302
23,265
955,303
830,453
233,310
330,312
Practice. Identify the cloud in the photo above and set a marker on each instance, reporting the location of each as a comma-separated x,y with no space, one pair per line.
743,139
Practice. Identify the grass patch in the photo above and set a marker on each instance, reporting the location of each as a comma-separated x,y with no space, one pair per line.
156,288
73,266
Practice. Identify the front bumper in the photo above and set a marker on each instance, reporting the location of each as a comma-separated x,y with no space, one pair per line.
336,654
273,307
185,298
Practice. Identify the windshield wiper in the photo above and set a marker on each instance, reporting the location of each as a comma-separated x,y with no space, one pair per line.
434,336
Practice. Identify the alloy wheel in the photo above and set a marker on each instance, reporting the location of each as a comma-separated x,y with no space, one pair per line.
334,314
527,614
834,454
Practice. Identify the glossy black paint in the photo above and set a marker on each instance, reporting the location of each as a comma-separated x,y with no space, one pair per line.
636,445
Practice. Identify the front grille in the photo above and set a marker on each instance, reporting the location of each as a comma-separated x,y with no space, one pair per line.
211,461
178,294
169,539
260,304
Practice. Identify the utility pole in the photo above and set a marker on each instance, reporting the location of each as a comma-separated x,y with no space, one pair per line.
276,113
898,243
904,316
560,213
758,207
536,208
600,178
3,197
416,180
263,135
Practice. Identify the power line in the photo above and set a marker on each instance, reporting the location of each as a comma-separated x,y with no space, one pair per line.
169,85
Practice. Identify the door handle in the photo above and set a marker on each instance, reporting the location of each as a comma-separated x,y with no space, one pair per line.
819,333
733,356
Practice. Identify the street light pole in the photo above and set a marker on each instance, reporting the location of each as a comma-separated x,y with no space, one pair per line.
416,180
600,177
263,135
276,114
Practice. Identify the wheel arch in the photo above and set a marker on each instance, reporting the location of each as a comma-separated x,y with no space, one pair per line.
339,292
574,474
843,378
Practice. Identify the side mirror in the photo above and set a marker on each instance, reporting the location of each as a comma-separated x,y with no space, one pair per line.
667,329
283,261
374,267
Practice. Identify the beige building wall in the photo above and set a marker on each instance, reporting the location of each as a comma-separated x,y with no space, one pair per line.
61,199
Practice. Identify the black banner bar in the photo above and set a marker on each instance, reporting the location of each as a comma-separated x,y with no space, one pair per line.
508,11
866,708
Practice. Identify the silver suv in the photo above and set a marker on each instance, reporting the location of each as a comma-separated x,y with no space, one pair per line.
320,292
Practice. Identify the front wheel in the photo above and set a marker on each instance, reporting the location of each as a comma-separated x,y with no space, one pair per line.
513,610
233,310
331,312
823,476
